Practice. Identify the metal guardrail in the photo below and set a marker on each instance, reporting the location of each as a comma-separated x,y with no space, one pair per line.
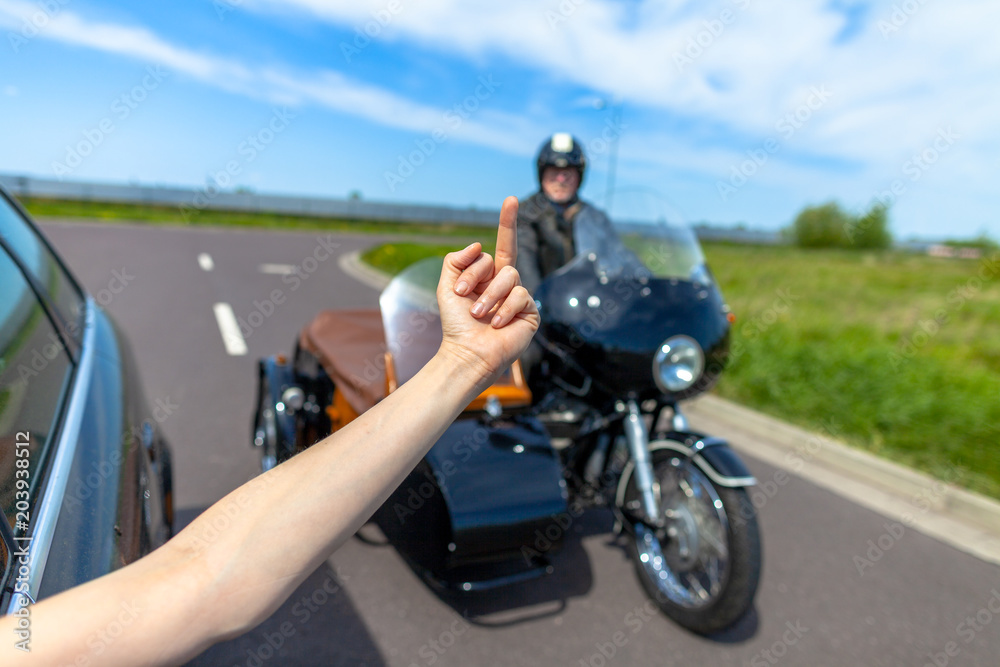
189,200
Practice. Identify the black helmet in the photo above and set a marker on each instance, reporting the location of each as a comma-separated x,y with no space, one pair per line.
561,150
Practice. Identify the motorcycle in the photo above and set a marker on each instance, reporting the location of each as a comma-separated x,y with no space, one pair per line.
632,326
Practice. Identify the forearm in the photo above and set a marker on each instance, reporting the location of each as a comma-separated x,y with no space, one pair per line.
319,498
241,558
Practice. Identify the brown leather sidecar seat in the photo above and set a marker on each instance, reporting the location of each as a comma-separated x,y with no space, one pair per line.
350,345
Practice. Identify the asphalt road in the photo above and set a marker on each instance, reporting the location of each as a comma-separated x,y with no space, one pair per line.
916,602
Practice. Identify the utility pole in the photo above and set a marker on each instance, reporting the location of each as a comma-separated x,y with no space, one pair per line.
616,119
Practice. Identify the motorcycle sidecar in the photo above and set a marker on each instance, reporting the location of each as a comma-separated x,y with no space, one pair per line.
488,501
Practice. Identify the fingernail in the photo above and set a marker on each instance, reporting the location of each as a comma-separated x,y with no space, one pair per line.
470,245
496,321
478,309
461,288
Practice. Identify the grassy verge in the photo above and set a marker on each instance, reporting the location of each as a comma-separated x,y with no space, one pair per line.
394,257
897,354
894,353
172,215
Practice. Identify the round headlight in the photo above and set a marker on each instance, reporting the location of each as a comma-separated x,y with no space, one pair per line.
678,363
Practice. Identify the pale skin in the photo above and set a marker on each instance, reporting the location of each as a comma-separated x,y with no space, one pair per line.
235,564
560,183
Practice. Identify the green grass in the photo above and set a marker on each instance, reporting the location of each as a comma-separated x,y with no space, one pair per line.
173,215
897,354
394,257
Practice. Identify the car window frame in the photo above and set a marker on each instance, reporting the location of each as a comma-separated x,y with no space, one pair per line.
40,478
75,351
72,342
10,548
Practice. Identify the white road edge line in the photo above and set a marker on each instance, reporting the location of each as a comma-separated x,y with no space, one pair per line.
205,262
231,336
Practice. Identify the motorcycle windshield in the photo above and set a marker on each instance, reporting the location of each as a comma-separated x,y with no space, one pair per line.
411,317
640,249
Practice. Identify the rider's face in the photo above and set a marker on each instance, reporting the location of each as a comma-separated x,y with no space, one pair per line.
560,183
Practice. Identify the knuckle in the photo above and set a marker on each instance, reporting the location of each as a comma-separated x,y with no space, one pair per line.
478,268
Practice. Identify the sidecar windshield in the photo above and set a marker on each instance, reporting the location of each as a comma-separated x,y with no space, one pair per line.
411,318
640,249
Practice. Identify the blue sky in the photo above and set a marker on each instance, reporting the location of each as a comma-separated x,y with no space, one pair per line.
731,111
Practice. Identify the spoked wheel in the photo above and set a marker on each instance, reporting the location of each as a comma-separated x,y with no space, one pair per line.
265,434
703,566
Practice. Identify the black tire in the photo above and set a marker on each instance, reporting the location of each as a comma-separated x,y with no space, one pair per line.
737,583
167,483
265,427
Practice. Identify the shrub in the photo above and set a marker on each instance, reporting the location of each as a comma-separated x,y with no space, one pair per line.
829,226
820,226
983,242
870,230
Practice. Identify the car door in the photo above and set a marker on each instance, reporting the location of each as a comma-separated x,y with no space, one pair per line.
90,490
41,308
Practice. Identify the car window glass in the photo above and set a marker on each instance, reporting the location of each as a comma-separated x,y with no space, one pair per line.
34,375
25,243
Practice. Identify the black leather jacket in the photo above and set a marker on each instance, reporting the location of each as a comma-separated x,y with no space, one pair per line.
545,238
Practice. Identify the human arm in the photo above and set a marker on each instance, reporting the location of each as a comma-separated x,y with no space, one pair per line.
239,560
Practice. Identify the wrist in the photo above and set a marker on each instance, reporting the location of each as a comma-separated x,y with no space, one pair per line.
464,368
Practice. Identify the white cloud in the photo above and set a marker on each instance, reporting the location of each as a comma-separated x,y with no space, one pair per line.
328,89
135,42
334,91
891,88
894,82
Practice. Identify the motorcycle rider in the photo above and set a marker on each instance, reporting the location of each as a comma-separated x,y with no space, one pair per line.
546,219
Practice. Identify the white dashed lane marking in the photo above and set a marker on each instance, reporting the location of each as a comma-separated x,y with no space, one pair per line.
205,262
230,329
278,269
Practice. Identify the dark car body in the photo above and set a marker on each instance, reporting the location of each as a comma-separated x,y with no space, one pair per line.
85,477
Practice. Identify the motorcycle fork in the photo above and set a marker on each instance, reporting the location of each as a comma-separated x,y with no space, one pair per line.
637,437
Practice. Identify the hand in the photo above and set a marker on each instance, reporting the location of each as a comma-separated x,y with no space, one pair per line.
487,317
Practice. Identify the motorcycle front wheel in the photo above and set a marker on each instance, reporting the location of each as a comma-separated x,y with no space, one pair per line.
702,567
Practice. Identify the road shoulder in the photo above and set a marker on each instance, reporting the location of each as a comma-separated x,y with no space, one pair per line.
965,520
